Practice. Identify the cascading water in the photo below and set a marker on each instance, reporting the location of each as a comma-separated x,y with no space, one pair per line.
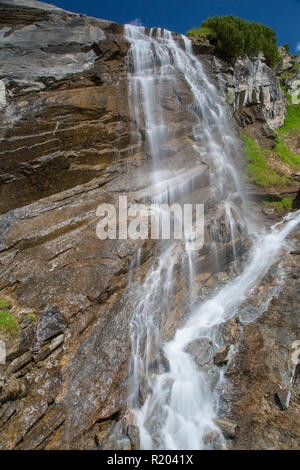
180,406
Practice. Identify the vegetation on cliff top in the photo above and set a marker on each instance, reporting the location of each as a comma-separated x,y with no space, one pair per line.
283,205
234,37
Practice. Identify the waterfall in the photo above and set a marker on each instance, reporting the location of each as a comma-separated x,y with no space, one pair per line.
181,139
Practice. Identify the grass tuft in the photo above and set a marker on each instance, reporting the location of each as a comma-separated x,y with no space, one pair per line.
4,303
284,204
284,153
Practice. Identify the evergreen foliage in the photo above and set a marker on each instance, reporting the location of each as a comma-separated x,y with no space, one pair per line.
234,37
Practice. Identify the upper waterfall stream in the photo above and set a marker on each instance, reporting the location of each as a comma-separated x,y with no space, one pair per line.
192,152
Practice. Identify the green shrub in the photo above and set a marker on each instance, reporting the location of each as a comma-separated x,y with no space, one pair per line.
4,303
234,37
8,322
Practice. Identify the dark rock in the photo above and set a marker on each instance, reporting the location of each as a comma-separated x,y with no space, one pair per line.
213,440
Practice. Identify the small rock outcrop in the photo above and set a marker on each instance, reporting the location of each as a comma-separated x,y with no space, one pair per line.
252,88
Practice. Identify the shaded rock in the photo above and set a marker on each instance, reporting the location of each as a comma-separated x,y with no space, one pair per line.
2,380
134,436
202,351
131,429
256,97
282,398
262,365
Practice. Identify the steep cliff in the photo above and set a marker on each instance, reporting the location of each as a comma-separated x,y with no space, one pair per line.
69,143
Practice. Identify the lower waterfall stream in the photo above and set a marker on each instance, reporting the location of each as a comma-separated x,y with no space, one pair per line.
181,403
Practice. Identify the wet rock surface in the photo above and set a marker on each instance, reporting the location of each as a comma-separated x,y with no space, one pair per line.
68,144
261,394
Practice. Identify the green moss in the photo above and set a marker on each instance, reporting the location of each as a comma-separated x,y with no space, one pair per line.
284,204
8,322
258,171
285,155
228,97
4,303
234,37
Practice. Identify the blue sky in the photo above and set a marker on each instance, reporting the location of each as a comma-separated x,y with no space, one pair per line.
180,15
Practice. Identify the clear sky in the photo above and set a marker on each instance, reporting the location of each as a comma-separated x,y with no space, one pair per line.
181,15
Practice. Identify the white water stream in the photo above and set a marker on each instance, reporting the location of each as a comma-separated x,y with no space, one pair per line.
181,406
